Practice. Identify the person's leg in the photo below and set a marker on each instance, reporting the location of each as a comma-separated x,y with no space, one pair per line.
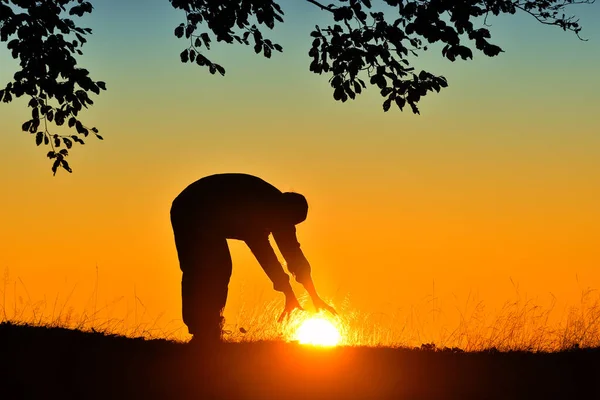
206,265
204,288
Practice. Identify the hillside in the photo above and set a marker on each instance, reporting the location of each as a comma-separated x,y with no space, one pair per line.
38,362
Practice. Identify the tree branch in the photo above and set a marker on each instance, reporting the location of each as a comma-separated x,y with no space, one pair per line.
557,22
321,6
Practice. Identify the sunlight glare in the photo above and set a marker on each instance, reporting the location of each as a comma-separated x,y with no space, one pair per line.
318,332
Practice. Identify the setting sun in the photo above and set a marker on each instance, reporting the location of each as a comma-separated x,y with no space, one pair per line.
318,332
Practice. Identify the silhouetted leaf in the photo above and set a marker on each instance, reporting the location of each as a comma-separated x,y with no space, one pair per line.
220,69
55,166
414,108
184,56
26,126
357,87
205,39
400,102
492,50
81,129
386,91
465,52
179,31
350,93
386,104
266,51
189,29
81,39
94,88
65,165
59,117
7,98
201,60
39,137
338,93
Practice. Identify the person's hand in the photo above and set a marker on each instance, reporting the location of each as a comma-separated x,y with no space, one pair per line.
317,301
291,304
321,305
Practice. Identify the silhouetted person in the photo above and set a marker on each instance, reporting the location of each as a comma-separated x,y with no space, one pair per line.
235,206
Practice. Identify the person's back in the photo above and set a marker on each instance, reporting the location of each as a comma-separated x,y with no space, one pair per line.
235,206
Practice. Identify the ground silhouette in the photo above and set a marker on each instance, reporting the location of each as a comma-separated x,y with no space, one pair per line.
39,362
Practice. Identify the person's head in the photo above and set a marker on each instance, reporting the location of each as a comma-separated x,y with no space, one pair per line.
295,207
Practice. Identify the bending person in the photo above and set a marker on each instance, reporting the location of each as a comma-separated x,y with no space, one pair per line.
235,206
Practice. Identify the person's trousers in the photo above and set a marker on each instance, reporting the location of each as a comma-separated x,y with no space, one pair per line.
206,264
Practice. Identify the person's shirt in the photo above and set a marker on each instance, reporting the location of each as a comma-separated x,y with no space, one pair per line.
235,206
243,207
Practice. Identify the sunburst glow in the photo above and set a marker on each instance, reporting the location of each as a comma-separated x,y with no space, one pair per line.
318,331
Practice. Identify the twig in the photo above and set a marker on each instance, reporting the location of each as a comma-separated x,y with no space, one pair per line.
321,6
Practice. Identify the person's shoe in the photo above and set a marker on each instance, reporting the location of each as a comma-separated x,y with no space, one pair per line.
205,340
208,334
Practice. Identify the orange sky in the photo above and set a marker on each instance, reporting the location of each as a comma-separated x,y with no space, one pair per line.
498,179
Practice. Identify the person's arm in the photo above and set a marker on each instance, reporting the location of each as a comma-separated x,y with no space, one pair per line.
289,247
262,250
298,265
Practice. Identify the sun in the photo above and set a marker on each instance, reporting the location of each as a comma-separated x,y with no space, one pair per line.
318,331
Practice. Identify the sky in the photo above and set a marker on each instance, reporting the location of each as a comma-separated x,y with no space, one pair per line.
489,194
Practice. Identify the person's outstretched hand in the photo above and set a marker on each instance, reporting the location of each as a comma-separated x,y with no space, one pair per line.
320,304
291,304
317,301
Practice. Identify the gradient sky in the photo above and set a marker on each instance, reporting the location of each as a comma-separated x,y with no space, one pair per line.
498,179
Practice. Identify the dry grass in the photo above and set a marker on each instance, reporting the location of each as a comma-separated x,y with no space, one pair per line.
520,324
59,312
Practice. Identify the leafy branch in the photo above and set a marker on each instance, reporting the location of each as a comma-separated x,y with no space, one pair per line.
46,46
360,47
229,22
551,13
363,45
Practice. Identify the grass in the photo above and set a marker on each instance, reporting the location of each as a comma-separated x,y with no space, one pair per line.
59,313
520,324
